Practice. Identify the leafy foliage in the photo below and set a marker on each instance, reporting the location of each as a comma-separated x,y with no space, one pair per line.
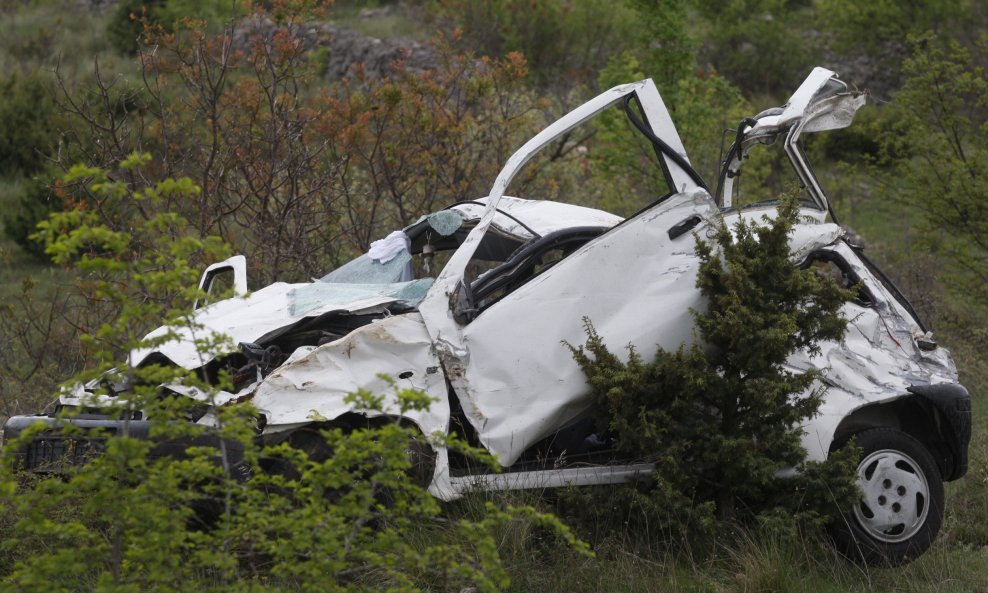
563,42
702,103
869,26
34,201
773,30
126,27
720,419
116,236
942,124
213,519
212,506
296,176
30,131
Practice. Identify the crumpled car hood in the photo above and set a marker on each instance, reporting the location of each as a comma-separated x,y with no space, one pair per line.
271,311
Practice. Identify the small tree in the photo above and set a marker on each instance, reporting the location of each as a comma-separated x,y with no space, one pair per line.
938,148
721,418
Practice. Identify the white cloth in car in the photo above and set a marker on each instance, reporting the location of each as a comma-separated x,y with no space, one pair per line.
384,250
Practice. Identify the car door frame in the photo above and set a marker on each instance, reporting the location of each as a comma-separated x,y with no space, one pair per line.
689,196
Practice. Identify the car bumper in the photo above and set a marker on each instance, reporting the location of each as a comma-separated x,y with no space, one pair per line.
953,402
55,448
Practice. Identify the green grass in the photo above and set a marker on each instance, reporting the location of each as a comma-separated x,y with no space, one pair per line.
389,20
41,34
756,562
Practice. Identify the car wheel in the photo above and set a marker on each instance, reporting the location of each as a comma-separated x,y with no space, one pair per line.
901,507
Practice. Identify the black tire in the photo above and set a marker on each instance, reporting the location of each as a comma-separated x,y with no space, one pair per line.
901,509
307,439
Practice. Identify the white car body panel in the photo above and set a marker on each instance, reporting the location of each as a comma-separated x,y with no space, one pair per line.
878,360
312,384
518,379
246,319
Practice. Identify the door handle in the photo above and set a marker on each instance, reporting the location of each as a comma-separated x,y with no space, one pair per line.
684,227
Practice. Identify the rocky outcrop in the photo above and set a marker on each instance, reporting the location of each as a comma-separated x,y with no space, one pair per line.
346,49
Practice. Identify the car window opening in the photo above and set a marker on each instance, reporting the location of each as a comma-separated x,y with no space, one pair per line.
827,264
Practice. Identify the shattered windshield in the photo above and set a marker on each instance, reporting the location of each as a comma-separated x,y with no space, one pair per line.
412,253
389,260
386,269
309,297
366,270
390,275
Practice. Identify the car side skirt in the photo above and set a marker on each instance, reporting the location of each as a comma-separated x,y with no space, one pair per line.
559,478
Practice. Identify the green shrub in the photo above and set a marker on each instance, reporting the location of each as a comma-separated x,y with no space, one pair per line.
761,46
34,201
30,129
867,26
214,519
564,43
232,513
126,25
938,147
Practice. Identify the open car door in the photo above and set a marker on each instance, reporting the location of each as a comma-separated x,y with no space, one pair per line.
508,361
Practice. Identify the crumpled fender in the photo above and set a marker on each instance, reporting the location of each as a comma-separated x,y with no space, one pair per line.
954,404
311,386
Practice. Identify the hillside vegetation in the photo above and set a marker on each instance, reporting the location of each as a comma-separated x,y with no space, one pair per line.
255,127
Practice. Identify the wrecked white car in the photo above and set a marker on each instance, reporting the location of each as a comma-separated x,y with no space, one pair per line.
484,336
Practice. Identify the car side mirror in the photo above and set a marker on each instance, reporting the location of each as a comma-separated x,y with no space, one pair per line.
220,278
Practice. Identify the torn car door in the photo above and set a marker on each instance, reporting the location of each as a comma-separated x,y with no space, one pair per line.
822,102
517,381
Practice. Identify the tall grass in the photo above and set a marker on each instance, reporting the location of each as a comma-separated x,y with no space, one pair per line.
43,34
629,556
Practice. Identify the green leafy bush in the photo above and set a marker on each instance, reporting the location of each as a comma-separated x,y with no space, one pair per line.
30,134
703,105
564,43
941,128
125,26
216,508
867,26
30,129
34,200
762,46
213,519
